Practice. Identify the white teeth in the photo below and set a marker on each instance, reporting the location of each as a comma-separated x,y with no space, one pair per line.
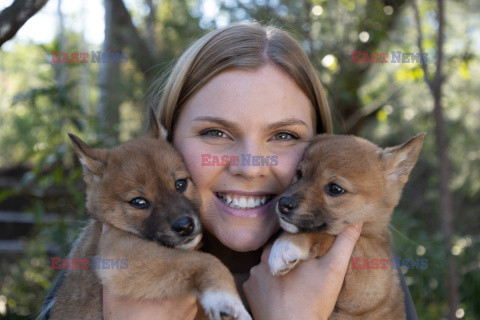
242,202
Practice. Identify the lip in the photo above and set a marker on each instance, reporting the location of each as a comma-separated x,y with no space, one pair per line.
245,193
190,243
253,213
316,228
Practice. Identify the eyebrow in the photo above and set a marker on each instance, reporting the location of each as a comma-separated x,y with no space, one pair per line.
271,126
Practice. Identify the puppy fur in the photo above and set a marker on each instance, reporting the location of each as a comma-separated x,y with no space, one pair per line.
142,190
342,181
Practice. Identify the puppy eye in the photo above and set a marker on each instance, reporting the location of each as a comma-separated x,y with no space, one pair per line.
139,203
299,174
181,184
335,190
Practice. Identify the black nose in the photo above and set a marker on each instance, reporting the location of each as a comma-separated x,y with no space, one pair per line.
286,205
183,226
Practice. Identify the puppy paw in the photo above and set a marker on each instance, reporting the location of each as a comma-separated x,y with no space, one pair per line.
284,256
220,305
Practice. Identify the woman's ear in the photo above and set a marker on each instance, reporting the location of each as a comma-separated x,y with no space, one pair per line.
156,130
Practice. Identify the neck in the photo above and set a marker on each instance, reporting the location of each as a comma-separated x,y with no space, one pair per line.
374,235
378,228
236,262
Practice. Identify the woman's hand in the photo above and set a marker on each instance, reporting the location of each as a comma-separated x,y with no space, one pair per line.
307,292
115,307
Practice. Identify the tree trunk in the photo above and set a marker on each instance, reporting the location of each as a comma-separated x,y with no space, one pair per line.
446,204
84,69
61,74
109,82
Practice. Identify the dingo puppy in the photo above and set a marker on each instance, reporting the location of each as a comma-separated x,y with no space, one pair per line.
341,181
142,190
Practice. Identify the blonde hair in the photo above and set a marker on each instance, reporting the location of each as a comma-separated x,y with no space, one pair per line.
245,46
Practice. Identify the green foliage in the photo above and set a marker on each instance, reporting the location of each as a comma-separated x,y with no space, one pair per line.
36,112
26,279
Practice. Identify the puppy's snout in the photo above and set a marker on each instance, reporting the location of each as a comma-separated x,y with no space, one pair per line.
286,205
183,226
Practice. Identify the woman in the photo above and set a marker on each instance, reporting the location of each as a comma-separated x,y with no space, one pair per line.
247,91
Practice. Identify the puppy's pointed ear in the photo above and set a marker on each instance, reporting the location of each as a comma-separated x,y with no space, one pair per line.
156,130
399,160
93,160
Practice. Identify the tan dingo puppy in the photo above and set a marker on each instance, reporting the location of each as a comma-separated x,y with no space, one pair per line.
142,190
341,181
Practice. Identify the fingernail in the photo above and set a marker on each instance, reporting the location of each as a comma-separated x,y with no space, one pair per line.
105,228
358,227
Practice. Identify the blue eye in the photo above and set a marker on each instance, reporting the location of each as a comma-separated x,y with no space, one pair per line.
139,203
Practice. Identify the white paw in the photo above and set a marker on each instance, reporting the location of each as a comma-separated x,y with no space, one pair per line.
287,226
284,256
220,305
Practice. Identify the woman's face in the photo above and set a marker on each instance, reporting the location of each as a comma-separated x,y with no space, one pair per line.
242,136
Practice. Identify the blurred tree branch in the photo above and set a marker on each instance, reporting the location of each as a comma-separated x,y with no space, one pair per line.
351,76
15,16
151,25
354,121
128,35
120,33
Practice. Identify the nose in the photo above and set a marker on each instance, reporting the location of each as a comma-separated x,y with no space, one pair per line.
183,226
252,160
286,205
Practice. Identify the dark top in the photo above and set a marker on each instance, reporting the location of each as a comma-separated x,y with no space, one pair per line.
409,306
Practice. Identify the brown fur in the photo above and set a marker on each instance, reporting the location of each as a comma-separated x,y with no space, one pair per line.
157,267
373,179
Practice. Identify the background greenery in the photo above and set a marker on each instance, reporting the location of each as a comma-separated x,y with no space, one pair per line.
387,103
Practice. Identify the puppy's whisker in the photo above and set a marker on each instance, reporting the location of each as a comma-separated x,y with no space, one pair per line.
403,235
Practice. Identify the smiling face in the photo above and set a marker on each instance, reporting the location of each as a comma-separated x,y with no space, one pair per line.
256,123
